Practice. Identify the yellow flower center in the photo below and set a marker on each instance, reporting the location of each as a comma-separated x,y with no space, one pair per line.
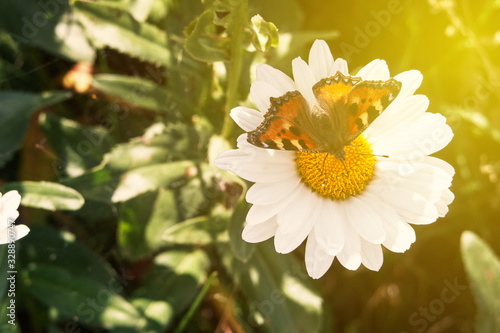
336,179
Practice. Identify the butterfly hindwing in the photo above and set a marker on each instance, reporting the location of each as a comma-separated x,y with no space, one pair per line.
280,128
367,100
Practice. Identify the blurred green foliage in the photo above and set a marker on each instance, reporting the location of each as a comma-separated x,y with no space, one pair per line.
132,227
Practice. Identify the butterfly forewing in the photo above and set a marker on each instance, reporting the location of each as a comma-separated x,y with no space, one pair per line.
281,126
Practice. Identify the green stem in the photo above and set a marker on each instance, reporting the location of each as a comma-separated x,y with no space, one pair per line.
236,31
187,317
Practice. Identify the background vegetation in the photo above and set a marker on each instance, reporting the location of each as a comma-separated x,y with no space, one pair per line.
112,111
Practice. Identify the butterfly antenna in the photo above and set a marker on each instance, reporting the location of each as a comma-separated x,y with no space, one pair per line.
385,156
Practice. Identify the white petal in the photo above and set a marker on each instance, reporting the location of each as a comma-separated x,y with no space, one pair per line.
329,229
282,82
20,230
252,152
285,240
304,80
269,193
410,80
411,206
440,164
340,65
427,135
427,180
227,160
9,202
398,114
261,93
448,196
261,213
246,118
300,211
260,232
320,60
350,256
398,234
317,260
375,70
364,220
441,207
256,165
371,255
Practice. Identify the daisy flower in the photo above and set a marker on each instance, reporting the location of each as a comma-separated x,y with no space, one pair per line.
346,205
9,203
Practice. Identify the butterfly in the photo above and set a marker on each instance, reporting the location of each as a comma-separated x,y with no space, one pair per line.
345,106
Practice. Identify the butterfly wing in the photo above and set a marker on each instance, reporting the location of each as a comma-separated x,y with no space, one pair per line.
366,101
334,90
281,126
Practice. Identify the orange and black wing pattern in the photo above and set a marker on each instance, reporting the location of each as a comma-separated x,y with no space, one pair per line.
281,129
335,90
367,100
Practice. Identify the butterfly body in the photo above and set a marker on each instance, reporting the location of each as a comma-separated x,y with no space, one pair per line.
345,106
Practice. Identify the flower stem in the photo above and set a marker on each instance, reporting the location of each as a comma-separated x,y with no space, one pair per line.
236,31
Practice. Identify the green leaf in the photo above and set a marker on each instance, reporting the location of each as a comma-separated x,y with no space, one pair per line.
133,155
265,34
49,25
47,195
78,148
134,90
197,231
149,178
193,198
242,250
202,41
16,109
48,246
96,185
139,9
64,274
483,269
118,30
163,216
159,143
112,186
131,225
277,289
142,222
170,286
94,303
217,145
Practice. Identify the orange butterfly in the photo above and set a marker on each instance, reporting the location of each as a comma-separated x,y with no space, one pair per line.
345,106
